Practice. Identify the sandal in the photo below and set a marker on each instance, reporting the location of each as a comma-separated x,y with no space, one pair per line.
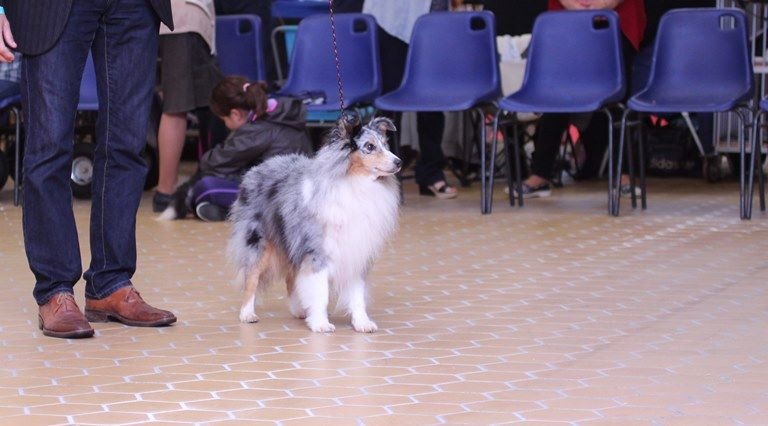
439,189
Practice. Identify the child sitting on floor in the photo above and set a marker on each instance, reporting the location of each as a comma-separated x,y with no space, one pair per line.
260,128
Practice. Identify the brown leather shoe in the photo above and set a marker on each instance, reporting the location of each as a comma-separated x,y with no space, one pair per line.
126,306
61,317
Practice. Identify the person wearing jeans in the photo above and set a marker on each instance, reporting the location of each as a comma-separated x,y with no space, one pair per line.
55,37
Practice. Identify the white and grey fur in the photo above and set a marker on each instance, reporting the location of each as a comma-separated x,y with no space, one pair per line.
318,223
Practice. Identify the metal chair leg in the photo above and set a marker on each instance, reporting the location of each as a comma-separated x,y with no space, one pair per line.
508,166
614,174
757,154
518,166
631,145
485,180
744,174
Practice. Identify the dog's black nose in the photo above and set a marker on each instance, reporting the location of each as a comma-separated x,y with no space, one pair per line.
398,162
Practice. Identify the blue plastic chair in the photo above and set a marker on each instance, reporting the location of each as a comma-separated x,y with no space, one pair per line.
313,65
701,63
575,65
451,65
239,46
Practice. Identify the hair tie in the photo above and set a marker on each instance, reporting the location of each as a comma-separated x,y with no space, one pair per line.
245,87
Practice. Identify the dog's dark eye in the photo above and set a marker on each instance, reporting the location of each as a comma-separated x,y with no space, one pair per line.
369,147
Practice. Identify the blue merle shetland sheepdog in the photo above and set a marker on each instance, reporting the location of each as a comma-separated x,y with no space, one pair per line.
318,223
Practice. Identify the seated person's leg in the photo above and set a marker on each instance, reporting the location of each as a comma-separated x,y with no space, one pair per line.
429,166
212,197
549,135
595,138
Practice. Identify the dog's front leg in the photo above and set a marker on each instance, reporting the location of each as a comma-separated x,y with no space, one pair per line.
312,293
356,306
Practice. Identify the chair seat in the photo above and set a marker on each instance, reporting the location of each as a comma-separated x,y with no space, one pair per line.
556,101
334,104
669,101
443,100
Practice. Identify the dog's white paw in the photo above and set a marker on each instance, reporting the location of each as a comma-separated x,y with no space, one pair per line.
248,317
296,310
364,326
321,326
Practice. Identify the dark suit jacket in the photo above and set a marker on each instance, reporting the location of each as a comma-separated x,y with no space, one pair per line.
37,24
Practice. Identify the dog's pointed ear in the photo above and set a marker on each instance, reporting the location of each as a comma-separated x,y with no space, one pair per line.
349,124
382,125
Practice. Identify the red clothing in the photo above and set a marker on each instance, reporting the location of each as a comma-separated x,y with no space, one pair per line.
631,15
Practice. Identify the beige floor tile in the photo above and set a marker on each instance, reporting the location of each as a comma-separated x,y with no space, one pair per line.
109,418
550,314
34,420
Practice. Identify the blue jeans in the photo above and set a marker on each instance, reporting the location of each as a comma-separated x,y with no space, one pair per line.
122,37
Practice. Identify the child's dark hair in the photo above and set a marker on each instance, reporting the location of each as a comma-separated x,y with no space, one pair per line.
236,92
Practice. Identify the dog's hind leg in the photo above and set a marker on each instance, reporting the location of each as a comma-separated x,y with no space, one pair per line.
312,295
248,308
356,306
252,279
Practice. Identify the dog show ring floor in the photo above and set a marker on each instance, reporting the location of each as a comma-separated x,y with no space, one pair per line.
550,314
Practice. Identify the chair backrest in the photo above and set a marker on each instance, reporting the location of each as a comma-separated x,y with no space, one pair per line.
283,38
703,49
313,66
576,53
239,46
453,51
89,99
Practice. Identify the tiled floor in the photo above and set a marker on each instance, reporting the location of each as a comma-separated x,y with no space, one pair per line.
550,314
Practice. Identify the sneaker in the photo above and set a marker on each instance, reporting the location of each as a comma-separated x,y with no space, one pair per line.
626,190
540,191
444,191
161,201
210,212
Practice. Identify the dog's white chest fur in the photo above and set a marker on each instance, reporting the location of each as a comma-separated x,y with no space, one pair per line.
359,215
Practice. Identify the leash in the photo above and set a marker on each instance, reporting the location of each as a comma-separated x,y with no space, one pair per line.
336,56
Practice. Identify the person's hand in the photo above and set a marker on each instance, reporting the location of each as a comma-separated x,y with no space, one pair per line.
6,40
590,4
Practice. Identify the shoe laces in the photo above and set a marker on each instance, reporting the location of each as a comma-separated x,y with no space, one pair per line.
133,294
66,301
